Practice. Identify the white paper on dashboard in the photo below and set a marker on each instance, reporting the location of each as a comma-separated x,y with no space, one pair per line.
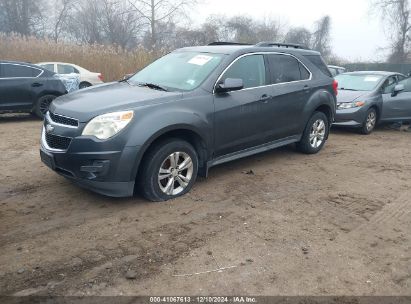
200,59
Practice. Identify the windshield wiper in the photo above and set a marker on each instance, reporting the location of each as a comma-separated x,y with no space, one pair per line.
153,86
347,89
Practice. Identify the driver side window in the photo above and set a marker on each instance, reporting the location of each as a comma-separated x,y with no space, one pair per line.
407,84
389,85
251,69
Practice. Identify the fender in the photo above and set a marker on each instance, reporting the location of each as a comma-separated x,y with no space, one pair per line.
151,125
321,97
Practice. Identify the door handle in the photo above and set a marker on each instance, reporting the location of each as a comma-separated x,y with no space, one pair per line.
36,85
265,98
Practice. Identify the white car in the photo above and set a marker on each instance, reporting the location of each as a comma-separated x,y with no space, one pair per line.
87,78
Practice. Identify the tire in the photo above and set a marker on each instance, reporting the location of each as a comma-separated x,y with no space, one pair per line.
42,105
315,134
84,85
370,122
171,182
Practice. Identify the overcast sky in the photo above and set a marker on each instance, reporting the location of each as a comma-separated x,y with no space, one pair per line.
356,34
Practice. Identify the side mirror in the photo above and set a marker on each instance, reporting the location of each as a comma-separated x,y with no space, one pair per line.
397,89
230,84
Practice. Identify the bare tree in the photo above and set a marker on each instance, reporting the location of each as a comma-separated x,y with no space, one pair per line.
60,12
299,35
85,22
269,30
120,23
22,16
321,36
396,15
159,11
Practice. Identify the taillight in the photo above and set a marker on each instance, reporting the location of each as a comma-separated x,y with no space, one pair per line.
100,76
335,87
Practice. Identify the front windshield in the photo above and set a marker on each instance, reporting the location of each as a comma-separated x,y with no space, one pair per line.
179,70
358,82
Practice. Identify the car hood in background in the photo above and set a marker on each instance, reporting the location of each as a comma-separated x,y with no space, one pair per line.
119,96
350,96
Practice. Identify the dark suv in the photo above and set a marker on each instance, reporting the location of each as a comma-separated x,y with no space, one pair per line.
26,87
192,109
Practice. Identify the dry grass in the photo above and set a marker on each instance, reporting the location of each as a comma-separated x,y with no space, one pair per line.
113,62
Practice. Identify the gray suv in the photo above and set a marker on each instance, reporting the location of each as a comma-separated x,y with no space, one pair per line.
192,109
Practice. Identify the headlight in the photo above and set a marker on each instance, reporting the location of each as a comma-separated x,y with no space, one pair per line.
349,105
108,125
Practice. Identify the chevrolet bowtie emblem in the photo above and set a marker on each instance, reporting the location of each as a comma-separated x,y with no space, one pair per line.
49,128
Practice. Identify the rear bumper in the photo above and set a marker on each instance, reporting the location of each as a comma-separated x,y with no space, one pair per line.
106,172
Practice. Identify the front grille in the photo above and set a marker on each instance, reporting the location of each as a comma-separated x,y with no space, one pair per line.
58,142
63,120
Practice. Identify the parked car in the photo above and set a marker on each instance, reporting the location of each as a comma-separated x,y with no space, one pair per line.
336,70
27,88
368,98
87,78
192,109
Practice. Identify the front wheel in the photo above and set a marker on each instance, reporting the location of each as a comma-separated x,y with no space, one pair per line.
169,170
315,134
370,122
42,105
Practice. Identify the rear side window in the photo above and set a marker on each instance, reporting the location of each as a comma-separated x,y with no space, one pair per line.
49,67
319,63
251,69
66,69
13,70
284,68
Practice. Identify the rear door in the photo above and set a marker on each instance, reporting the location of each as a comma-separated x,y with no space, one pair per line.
290,90
397,107
237,120
17,85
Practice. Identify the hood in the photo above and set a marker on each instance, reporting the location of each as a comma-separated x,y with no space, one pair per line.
351,96
110,97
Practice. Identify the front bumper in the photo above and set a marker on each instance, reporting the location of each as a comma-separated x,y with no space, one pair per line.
353,117
103,167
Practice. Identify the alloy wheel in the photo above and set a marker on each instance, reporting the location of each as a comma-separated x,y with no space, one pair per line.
317,133
175,173
371,120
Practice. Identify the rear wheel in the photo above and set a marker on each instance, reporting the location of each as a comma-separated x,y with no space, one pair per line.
169,170
42,105
315,134
84,85
370,122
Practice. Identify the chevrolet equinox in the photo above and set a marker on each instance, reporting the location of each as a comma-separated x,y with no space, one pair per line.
192,109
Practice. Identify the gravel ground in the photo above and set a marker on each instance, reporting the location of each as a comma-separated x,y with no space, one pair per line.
279,223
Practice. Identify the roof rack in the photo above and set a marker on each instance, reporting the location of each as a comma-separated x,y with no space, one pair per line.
280,44
227,43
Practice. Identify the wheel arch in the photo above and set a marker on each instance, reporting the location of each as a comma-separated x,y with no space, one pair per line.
186,133
321,101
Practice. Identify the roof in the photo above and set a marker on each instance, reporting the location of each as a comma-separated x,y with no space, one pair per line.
379,73
17,62
21,63
231,49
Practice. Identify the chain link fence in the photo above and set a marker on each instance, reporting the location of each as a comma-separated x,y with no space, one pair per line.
399,68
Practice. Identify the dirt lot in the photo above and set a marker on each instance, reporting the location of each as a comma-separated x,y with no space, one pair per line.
334,223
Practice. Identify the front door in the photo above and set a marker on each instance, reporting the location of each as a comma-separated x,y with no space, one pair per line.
397,108
237,118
